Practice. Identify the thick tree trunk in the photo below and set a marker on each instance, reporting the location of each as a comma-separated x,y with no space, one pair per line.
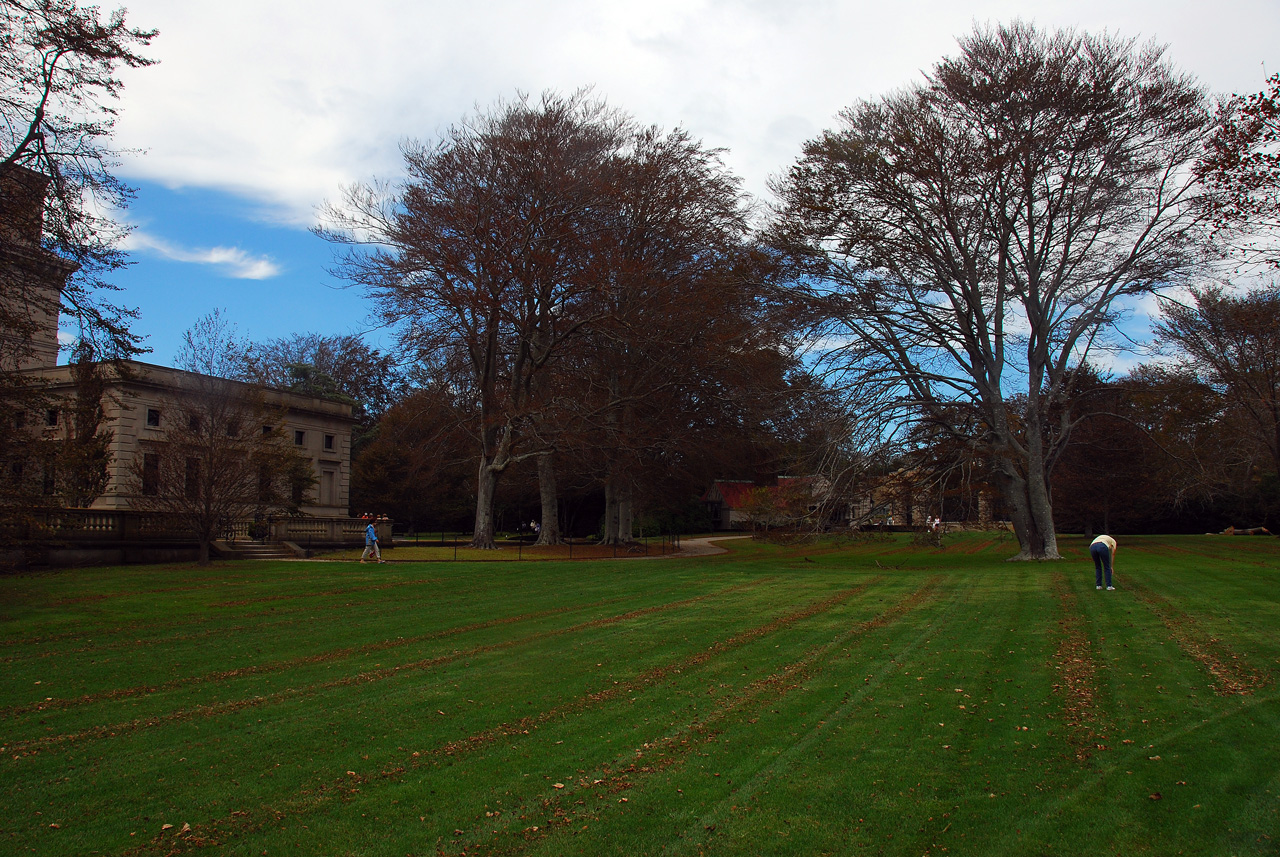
619,511
626,509
548,489
486,490
1027,499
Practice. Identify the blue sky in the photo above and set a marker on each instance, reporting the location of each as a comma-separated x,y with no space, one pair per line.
258,112
199,249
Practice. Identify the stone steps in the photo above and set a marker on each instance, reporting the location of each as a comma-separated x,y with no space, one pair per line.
257,551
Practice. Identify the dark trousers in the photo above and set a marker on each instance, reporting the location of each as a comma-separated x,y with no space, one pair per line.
1101,560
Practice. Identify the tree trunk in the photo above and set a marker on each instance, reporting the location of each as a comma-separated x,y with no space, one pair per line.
610,512
548,489
1028,503
626,509
204,552
486,489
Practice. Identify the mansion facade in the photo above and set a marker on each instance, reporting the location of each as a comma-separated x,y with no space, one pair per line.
141,403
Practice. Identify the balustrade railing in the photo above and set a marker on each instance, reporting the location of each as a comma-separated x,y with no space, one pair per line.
96,525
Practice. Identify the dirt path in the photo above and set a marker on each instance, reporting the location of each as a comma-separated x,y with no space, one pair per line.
703,546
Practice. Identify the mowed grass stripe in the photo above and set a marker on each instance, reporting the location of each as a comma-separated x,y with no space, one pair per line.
71,677
20,747
939,758
1077,669
860,748
1231,673
627,770
388,770
288,665
835,722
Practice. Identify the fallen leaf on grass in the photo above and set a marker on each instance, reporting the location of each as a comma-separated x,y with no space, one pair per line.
557,785
1156,796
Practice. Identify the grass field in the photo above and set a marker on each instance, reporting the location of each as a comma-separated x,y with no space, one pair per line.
874,699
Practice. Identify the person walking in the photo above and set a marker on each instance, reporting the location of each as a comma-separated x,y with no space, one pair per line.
1103,551
371,544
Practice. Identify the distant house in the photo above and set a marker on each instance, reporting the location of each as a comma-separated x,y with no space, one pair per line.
142,401
743,505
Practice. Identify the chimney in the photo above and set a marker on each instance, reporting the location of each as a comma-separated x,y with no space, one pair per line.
22,204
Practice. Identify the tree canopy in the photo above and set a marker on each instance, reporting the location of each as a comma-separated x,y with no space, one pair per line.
58,87
964,243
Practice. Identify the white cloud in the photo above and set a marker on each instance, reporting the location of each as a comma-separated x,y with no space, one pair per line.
284,102
233,261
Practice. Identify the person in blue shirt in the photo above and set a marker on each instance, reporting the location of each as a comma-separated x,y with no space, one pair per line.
371,544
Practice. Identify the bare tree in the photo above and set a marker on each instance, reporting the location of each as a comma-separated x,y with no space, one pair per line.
964,243
223,459
58,63
1241,166
675,305
224,456
1232,343
479,257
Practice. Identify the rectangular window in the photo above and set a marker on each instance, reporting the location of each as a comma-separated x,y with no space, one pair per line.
153,417
20,420
299,438
150,474
328,441
193,423
51,417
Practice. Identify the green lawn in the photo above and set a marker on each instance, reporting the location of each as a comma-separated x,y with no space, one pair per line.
873,699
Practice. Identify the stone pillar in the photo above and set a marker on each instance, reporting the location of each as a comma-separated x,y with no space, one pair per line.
984,510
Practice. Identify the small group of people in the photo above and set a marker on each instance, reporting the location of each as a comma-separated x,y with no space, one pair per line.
933,524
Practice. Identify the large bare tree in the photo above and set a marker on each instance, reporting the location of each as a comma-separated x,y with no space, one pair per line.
967,241
479,258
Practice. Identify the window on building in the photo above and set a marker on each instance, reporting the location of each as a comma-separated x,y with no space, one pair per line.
150,474
328,442
20,420
15,470
153,417
50,475
51,417
193,423
299,437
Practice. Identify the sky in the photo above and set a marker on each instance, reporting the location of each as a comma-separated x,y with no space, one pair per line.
258,112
